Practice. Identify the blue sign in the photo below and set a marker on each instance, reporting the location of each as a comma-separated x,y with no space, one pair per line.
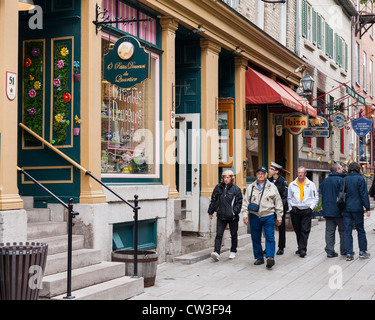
362,126
338,120
318,128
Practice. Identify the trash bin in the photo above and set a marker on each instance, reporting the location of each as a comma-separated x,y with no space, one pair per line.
22,267
146,267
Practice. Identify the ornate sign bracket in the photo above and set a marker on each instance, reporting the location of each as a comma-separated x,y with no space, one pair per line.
106,19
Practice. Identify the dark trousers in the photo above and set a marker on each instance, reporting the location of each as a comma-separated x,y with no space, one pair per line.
331,225
357,219
301,221
282,232
220,227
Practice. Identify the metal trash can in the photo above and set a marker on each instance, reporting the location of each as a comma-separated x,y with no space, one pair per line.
22,267
147,264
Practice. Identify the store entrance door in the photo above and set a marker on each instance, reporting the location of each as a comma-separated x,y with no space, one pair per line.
188,168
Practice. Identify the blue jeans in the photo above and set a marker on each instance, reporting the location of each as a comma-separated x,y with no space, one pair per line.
256,226
357,219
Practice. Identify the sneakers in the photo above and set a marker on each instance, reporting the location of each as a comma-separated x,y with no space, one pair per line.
232,255
364,255
349,257
215,256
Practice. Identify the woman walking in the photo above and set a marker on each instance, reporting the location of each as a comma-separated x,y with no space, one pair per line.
356,199
226,200
262,201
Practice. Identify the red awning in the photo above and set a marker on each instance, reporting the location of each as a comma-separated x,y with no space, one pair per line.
261,89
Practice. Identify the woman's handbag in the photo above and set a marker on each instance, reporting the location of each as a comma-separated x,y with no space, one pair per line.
340,202
253,206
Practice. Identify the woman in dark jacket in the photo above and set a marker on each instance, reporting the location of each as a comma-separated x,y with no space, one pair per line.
356,199
226,200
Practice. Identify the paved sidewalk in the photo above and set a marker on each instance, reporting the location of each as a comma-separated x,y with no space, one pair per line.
292,277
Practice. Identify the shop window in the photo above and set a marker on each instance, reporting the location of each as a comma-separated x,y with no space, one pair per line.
225,127
129,133
252,142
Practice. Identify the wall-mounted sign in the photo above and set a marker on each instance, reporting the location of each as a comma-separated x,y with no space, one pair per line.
295,122
362,126
127,64
338,120
318,128
11,79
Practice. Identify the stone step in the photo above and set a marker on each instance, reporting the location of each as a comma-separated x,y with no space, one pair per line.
28,202
55,284
80,258
38,230
117,289
59,244
38,215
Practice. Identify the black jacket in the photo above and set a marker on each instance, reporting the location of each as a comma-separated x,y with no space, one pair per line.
282,187
227,202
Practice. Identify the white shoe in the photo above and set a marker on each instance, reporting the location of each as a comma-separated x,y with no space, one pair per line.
215,256
232,255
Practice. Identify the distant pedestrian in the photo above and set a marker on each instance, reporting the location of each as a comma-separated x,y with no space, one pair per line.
226,201
261,202
356,199
330,189
302,199
282,186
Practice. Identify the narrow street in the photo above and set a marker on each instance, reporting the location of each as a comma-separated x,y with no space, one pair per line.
292,277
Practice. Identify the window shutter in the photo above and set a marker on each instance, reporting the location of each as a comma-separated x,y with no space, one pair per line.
319,30
327,38
314,26
304,19
346,56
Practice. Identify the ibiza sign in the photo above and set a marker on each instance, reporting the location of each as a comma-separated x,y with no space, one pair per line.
296,122
127,64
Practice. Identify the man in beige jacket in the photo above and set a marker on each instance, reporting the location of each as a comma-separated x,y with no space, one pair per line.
264,194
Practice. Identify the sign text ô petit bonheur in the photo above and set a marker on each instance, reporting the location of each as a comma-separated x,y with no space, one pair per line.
127,64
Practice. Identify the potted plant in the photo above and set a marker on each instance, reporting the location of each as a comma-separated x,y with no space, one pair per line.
76,127
76,74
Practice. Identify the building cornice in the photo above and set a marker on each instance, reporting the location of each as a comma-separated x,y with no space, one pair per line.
229,29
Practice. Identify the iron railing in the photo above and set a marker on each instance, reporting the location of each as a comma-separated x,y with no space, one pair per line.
71,215
135,207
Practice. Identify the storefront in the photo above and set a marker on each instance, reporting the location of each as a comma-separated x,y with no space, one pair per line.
167,138
267,101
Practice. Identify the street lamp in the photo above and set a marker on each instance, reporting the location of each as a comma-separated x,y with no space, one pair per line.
307,83
25,5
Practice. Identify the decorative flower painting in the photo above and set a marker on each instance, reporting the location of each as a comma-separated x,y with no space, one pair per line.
62,77
33,84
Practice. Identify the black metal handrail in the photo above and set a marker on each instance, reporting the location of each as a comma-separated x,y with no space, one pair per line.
71,215
135,207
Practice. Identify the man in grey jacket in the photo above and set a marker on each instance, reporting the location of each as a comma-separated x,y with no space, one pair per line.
302,199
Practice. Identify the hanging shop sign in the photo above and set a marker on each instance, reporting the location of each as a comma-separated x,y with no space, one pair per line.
338,120
318,128
355,95
296,122
362,126
127,64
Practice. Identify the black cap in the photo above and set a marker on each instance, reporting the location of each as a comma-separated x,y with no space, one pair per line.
263,169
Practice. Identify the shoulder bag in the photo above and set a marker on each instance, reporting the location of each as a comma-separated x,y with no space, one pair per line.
253,206
340,202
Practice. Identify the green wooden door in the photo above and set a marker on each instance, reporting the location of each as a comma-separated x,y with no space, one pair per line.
49,100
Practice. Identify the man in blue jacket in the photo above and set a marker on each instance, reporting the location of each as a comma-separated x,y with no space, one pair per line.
330,189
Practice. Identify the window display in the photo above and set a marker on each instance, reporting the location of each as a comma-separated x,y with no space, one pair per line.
128,126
